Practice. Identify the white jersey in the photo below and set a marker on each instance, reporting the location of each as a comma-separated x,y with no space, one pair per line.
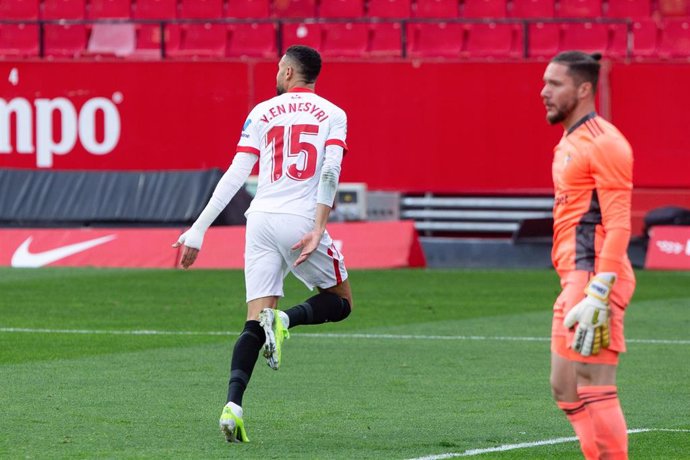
290,133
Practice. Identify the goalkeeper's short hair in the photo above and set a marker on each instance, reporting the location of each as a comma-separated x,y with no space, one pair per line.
583,67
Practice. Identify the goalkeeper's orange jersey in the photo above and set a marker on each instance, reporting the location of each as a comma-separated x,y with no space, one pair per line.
592,176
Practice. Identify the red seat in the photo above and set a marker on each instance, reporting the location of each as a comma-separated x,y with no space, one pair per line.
18,40
588,37
201,40
341,8
544,39
252,40
201,9
294,8
493,40
673,7
149,40
386,39
389,8
248,9
579,9
112,39
301,34
434,39
645,38
437,9
675,38
64,9
629,9
533,9
484,9
64,40
345,39
19,9
156,9
618,42
102,9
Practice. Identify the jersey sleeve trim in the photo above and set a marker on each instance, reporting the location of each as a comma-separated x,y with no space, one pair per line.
247,149
337,142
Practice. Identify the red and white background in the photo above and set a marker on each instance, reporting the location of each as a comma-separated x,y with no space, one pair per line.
365,245
440,127
669,248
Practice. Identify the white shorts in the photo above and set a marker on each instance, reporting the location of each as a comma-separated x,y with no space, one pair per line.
268,257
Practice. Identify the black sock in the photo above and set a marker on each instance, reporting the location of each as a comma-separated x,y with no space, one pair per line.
323,307
244,357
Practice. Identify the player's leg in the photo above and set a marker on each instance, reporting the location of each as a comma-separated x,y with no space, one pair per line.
264,268
564,389
563,373
325,270
331,304
247,348
597,389
596,378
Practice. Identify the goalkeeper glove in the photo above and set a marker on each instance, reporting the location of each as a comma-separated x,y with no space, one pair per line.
592,316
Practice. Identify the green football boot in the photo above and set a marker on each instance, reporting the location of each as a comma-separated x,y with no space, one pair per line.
232,425
275,326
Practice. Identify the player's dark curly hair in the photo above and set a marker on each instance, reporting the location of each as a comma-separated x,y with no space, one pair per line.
582,67
308,59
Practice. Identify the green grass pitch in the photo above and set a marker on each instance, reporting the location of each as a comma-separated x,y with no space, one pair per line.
422,367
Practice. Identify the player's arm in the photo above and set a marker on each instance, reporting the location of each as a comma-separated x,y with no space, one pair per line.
328,186
227,187
612,171
612,166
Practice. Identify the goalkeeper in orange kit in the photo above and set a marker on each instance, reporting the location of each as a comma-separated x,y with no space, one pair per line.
592,175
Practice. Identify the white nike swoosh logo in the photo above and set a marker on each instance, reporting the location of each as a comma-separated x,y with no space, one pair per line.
24,258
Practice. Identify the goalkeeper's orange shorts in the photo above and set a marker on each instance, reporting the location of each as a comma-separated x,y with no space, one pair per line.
573,285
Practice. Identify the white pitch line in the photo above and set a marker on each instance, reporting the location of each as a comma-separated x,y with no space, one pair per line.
110,331
527,445
319,335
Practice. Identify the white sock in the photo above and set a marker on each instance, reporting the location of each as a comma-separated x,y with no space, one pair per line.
284,318
237,410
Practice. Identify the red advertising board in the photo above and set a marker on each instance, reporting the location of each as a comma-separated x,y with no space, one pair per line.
121,116
443,127
669,248
365,245
33,248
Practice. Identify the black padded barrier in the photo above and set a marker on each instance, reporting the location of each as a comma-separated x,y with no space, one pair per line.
34,198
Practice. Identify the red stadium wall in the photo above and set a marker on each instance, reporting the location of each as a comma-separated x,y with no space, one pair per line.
415,127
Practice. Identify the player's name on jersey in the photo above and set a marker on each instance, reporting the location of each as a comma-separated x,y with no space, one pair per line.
294,107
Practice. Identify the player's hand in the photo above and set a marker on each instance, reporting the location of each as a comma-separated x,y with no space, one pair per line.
592,316
307,245
192,240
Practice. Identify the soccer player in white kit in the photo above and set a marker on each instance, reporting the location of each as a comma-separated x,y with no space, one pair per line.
299,140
